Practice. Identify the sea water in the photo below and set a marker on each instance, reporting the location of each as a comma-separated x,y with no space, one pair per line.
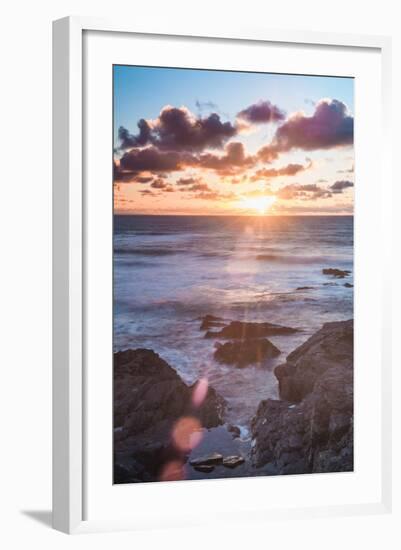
171,270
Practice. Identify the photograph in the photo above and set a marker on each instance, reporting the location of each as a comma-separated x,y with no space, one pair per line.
233,273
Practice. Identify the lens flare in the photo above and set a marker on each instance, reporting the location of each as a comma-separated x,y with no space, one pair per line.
200,392
173,471
187,433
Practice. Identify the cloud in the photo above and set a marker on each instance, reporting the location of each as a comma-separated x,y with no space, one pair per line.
150,159
339,186
233,161
177,129
214,196
159,183
199,187
148,192
302,192
187,181
127,140
261,113
347,171
330,126
289,170
144,179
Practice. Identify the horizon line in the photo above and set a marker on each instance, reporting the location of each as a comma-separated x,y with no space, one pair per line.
120,213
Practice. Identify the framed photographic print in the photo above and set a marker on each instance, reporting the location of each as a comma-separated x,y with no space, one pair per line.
220,296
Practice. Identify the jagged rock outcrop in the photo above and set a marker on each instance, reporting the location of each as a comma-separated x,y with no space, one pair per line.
245,352
149,398
311,428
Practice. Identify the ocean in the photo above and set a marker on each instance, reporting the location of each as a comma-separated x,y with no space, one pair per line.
171,270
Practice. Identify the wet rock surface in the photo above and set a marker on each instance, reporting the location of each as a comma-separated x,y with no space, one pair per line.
337,273
210,321
244,330
149,399
245,352
233,461
311,428
209,460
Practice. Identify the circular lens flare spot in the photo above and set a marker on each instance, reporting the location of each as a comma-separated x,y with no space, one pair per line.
187,433
200,392
173,471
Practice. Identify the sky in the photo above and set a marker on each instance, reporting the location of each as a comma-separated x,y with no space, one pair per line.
201,142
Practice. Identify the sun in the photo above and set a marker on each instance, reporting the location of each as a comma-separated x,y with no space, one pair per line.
260,205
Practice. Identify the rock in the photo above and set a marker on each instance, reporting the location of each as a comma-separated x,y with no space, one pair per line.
205,468
331,346
210,321
233,461
234,430
212,459
348,285
245,352
315,434
243,330
304,288
149,399
338,273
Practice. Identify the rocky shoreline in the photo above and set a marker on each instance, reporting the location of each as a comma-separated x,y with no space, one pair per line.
158,418
150,400
311,428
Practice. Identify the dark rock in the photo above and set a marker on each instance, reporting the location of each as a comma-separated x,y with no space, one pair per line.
348,285
331,346
210,321
205,468
212,459
242,330
149,398
316,433
338,273
304,288
233,461
245,352
234,430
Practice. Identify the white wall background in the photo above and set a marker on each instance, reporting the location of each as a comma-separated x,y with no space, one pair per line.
25,103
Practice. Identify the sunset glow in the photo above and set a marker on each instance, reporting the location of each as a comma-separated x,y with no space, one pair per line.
259,205
196,142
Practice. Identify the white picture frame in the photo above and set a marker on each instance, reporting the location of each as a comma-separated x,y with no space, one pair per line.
69,257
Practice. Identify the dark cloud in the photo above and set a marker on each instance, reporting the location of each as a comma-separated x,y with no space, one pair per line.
330,126
289,170
339,186
127,140
177,129
233,161
261,112
144,179
159,183
151,159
